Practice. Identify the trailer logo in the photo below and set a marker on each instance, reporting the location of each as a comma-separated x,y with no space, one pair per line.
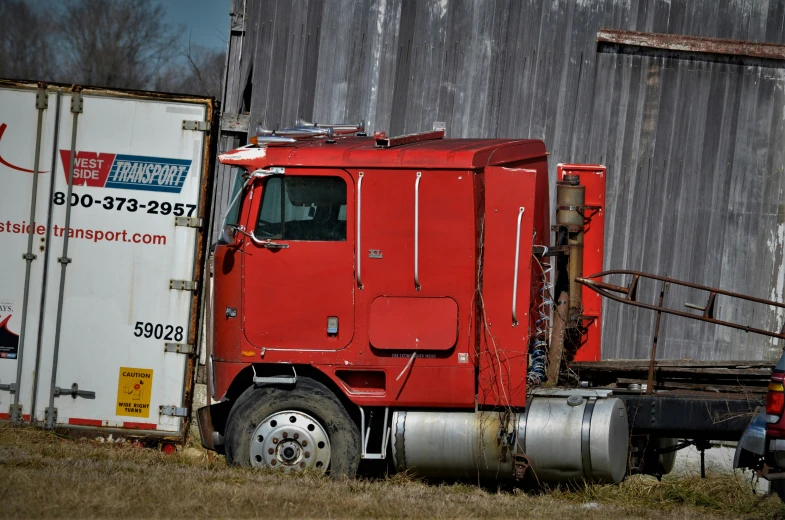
8,164
129,172
9,341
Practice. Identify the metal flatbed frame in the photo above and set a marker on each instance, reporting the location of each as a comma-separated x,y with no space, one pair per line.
695,400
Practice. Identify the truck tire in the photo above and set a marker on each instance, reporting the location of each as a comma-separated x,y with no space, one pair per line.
305,427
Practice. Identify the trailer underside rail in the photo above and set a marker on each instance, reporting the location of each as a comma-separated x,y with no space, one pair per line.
733,377
699,400
691,415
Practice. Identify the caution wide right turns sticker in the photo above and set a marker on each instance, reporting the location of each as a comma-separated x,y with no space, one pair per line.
134,387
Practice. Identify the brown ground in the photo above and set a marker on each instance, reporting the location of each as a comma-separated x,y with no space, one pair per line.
42,475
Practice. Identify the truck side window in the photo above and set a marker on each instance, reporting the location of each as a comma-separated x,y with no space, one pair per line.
303,208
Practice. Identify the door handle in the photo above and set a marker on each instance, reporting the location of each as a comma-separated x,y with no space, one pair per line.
269,244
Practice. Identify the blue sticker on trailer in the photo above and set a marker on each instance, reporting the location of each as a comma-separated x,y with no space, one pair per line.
127,172
134,172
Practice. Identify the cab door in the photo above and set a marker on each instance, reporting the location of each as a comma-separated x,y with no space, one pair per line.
298,268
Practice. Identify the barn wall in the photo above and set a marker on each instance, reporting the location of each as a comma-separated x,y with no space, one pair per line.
694,144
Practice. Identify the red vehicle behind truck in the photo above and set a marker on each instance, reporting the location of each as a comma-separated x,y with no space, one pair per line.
379,297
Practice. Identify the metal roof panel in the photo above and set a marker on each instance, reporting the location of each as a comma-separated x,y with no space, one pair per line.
361,152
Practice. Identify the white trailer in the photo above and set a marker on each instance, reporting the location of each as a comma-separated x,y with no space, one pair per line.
102,196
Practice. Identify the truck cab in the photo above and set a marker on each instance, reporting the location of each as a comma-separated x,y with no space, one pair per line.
369,292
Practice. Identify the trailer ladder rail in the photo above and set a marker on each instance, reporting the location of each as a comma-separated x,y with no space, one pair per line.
630,292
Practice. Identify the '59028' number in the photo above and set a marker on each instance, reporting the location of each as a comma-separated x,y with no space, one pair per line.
158,331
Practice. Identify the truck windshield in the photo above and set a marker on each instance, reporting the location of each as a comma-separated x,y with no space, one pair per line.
303,208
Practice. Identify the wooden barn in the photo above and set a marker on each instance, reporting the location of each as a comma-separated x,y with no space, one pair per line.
682,100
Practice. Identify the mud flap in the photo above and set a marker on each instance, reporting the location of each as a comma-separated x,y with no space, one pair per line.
212,425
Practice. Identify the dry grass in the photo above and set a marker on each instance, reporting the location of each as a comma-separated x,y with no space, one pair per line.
45,476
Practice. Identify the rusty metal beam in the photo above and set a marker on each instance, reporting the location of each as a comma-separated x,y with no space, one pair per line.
382,141
683,43
610,291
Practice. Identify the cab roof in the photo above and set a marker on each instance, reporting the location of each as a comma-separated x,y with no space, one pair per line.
361,152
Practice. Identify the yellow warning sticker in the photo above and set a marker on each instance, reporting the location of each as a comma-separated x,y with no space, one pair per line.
134,387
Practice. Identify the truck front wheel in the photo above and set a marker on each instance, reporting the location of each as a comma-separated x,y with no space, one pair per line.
305,427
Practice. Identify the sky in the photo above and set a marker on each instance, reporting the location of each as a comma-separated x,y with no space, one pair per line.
206,21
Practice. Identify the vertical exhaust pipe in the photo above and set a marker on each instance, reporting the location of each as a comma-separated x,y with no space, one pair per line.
570,200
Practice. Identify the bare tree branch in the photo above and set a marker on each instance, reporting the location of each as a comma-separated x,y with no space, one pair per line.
203,73
25,37
196,70
115,43
111,43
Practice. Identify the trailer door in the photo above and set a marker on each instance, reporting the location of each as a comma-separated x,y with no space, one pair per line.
27,122
120,305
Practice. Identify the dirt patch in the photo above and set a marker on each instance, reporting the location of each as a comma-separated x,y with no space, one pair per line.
47,476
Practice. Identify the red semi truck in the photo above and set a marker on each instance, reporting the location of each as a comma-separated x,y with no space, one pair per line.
379,297
386,292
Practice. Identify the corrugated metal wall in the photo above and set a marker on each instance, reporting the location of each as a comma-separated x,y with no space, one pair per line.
695,145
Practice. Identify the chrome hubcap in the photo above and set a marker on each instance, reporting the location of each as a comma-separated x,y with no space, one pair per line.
291,441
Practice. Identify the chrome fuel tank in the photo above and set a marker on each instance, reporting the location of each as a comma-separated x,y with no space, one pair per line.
564,438
453,444
577,438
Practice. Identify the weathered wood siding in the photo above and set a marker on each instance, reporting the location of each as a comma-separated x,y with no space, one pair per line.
694,145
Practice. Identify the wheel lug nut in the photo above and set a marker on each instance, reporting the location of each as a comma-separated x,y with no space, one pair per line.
275,440
274,462
307,454
270,451
285,435
302,464
296,436
305,443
